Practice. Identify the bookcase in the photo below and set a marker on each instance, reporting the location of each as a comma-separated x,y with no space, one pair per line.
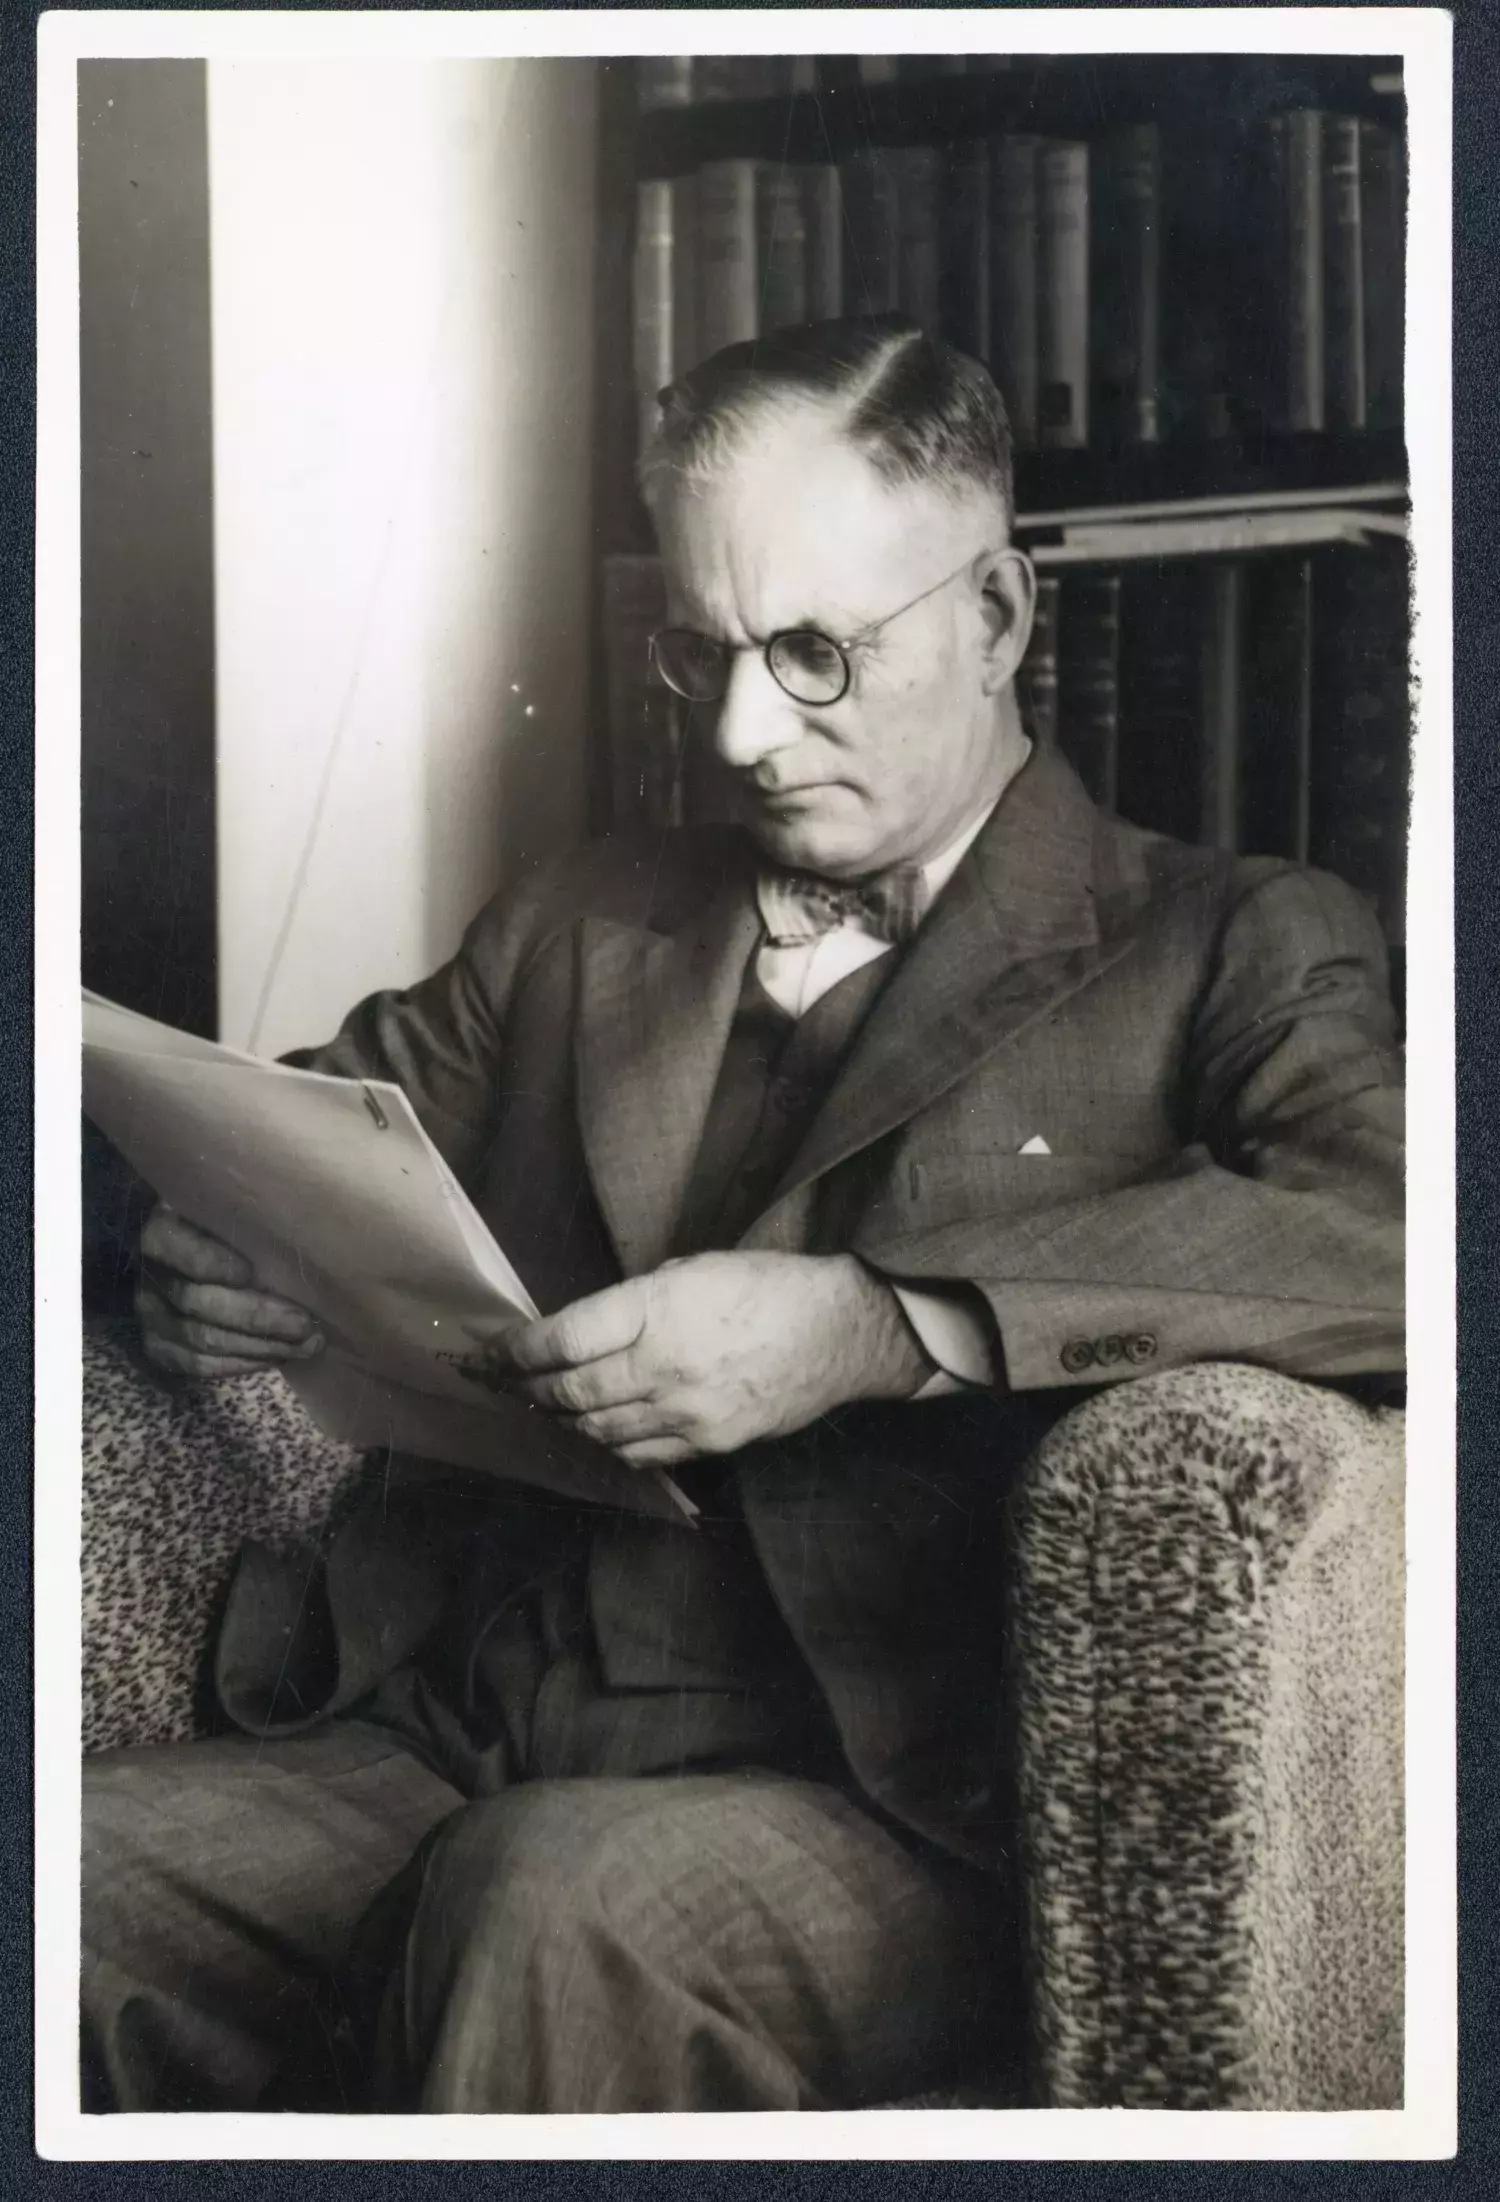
1187,274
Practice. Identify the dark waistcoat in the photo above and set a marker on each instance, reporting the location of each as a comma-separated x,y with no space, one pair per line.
676,1612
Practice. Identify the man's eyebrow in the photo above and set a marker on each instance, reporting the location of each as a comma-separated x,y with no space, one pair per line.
836,630
811,623
801,624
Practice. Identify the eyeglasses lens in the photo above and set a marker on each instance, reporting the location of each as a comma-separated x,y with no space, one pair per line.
809,666
695,665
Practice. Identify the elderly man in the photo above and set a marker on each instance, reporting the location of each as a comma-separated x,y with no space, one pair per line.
843,1147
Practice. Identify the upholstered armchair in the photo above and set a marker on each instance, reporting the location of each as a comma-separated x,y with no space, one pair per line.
1204,1688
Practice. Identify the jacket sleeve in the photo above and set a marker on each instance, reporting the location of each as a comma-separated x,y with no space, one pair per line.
1274,1235
441,1040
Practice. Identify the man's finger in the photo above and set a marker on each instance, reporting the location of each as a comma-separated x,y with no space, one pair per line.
605,1323
161,1322
177,1244
177,1361
657,1452
630,1424
253,1314
613,1382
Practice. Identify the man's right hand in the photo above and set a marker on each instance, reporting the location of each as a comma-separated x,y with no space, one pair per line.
201,1312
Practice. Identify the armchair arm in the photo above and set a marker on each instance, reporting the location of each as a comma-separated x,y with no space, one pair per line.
175,1478
1207,1668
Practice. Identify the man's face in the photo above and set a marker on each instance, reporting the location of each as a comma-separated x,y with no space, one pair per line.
801,532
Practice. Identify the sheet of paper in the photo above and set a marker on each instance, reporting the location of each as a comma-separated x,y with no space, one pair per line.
340,1201
498,1436
109,1024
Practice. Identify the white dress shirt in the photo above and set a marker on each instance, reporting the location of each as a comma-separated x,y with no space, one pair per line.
950,1327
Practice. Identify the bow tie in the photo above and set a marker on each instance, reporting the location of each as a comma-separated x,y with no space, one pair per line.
798,906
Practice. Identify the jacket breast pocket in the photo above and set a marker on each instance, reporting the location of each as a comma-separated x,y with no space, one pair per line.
929,1191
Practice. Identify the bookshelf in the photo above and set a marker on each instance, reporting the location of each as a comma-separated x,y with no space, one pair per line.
1276,503
1066,96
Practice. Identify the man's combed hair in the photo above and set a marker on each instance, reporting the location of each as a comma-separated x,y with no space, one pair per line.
918,410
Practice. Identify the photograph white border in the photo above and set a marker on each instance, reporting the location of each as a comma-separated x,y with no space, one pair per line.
1426,2126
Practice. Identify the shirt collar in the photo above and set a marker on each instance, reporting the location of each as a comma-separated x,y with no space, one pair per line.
781,918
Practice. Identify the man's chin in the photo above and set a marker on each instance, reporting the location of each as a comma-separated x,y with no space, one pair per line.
804,842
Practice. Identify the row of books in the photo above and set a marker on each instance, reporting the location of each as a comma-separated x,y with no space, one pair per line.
1075,270
690,80
1259,705
1326,200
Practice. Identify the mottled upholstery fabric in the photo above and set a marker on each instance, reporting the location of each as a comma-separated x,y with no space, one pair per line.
1206,1630
1205,1686
175,1479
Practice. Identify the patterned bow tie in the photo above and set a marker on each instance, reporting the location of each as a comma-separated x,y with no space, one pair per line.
799,907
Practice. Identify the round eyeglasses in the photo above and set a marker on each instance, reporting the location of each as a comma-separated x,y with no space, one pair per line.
808,665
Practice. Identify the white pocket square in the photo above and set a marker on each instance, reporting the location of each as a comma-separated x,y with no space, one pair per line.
1035,1146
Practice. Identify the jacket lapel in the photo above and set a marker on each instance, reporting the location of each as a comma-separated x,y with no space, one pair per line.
655,1008
1015,930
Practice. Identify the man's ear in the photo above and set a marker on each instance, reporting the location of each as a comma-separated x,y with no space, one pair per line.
1007,599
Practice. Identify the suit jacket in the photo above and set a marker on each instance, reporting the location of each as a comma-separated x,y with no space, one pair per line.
1206,1045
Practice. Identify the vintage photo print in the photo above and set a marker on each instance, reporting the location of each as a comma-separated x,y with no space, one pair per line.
745,1386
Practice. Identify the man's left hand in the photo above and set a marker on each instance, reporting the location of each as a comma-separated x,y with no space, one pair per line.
707,1354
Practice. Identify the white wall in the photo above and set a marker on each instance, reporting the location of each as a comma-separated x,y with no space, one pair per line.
402,348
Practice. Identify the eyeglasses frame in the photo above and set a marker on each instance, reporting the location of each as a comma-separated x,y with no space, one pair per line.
785,634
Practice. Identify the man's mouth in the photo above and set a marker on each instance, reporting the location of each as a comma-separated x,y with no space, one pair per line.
802,790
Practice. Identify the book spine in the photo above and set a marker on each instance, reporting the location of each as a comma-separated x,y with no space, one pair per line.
918,172
1362,725
1221,665
1277,702
928,65
1294,237
686,350
1013,281
1063,296
653,297
1088,715
965,247
1383,235
741,76
663,80
1125,257
1203,239
1344,399
1036,678
644,729
1161,697
871,242
715,77
782,242
727,275
823,226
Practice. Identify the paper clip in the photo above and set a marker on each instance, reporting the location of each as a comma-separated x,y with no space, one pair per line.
382,1123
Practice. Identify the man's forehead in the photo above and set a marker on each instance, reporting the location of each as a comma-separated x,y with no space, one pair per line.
800,522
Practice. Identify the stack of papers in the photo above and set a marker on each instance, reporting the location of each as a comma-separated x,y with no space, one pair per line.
340,1201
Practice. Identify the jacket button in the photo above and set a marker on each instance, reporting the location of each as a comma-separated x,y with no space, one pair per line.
1140,1348
1109,1350
1077,1354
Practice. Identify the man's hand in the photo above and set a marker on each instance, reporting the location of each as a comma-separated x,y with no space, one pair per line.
201,1312
707,1354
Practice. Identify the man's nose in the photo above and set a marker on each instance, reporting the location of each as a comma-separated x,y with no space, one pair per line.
757,716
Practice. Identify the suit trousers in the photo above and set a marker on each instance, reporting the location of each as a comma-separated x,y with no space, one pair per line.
326,1922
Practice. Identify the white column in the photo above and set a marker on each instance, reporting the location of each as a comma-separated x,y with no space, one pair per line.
402,351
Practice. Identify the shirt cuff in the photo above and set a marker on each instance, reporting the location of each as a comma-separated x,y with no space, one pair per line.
955,1334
